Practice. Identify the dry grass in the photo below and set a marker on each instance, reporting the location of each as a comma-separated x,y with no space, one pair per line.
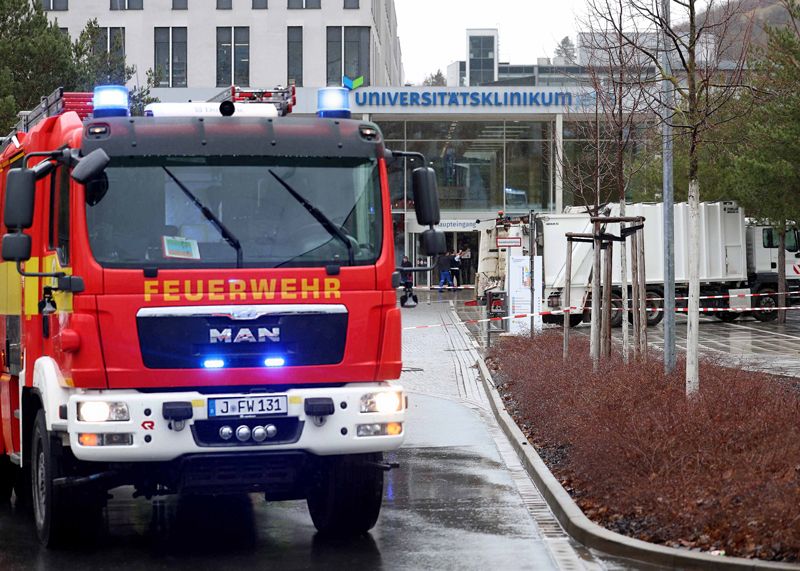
718,472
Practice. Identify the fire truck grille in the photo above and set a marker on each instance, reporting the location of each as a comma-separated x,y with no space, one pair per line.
187,342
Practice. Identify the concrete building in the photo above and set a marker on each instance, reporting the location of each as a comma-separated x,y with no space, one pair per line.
197,46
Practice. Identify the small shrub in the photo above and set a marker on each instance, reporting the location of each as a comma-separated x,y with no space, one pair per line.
719,471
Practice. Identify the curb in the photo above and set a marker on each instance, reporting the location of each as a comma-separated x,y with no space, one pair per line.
582,529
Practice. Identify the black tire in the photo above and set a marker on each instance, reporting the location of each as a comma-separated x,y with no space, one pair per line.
727,316
654,317
616,310
766,301
8,476
60,515
345,498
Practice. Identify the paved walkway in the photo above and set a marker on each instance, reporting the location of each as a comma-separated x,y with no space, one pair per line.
441,361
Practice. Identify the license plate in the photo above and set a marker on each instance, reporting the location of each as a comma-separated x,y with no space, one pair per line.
248,406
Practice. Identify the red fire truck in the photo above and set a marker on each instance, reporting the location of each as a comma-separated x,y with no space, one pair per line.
199,301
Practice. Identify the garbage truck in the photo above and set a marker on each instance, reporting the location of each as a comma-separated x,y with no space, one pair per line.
738,260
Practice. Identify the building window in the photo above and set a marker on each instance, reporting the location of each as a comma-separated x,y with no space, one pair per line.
116,42
127,4
481,60
55,5
351,4
356,52
307,4
259,4
348,54
233,56
170,56
180,4
224,5
334,73
295,55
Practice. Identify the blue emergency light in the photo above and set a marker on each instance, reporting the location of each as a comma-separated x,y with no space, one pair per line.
333,103
274,362
110,101
213,364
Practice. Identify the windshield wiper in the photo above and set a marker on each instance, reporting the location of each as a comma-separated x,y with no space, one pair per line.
323,220
216,222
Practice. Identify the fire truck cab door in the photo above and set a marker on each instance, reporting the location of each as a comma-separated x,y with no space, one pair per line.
57,312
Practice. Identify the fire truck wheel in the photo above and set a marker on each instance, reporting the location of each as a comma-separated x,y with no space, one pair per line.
8,475
59,515
346,497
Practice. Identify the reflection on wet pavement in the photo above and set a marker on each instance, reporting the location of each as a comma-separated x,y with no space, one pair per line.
450,504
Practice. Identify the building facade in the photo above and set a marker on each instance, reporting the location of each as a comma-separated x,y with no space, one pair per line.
207,44
492,148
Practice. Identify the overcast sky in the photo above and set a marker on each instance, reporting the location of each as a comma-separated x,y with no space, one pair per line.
433,32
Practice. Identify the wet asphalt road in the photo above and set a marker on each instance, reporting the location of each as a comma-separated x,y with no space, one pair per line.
458,501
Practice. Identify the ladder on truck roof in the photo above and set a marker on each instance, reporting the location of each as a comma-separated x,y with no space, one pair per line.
283,98
56,103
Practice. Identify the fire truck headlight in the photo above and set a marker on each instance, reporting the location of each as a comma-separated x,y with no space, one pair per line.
383,402
101,411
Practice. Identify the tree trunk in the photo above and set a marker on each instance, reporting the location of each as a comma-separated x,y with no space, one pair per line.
693,317
635,294
623,263
608,276
595,323
782,272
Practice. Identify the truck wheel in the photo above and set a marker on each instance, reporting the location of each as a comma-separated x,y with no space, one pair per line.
727,316
59,515
766,302
346,497
48,510
616,310
8,476
654,317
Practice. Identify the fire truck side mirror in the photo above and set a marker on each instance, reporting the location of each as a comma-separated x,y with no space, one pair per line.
16,247
90,166
432,243
426,197
20,192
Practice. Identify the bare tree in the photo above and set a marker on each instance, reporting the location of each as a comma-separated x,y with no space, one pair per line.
620,77
707,43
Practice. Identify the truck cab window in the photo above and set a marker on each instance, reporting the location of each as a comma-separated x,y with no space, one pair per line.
58,235
770,239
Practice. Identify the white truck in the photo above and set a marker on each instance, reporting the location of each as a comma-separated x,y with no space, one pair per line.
736,257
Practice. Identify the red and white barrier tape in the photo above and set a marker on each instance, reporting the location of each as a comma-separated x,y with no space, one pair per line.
562,312
728,296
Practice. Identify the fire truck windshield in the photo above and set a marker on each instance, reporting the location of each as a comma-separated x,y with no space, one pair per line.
145,219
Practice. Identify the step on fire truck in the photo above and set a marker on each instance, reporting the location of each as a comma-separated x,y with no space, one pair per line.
199,301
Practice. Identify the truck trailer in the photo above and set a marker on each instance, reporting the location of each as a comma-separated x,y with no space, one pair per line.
737,257
199,301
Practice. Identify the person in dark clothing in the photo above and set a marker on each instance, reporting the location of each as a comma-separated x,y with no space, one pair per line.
443,265
407,277
408,283
455,269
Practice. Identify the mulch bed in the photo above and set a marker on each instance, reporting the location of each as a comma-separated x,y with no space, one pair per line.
718,472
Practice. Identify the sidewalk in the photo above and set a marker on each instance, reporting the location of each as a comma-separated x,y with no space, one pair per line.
440,362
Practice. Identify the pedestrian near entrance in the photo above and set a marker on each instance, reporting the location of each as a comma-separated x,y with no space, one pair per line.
406,276
455,269
466,265
443,265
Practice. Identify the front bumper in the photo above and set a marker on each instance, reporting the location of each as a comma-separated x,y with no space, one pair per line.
156,439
